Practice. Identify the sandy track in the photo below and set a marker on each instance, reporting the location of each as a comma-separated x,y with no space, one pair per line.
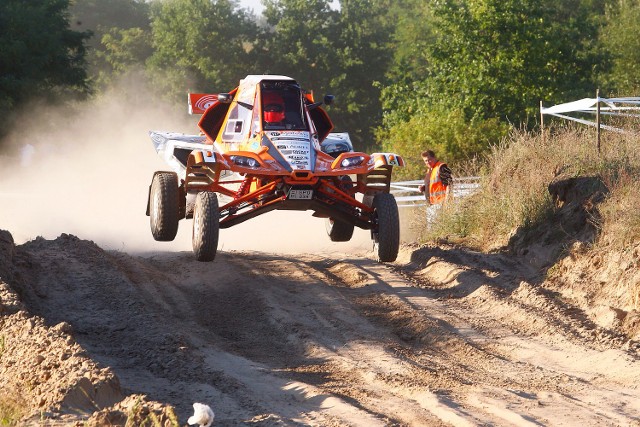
442,337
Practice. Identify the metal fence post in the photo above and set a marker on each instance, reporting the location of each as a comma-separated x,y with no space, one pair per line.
598,117
542,122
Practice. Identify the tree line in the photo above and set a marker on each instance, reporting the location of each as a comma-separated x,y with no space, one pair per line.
451,75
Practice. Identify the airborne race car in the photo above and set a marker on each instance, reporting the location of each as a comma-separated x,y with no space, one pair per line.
267,145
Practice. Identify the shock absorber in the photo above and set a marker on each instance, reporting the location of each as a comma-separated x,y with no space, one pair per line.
244,187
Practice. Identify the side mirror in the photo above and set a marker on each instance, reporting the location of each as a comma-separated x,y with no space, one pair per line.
225,98
328,99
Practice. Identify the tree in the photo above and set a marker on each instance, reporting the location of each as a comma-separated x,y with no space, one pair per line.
122,51
363,57
300,41
121,36
40,55
495,60
499,58
619,38
100,17
202,45
412,34
343,52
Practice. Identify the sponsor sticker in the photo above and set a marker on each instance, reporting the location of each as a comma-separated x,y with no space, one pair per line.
206,102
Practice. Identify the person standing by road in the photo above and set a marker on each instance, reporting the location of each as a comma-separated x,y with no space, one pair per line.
438,182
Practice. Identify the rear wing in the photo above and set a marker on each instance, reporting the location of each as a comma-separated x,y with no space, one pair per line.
199,102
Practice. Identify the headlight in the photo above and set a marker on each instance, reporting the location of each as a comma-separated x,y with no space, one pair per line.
247,162
352,161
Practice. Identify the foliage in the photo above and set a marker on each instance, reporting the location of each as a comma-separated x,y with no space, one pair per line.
448,133
339,52
300,40
40,56
121,37
363,56
619,39
101,17
497,58
493,60
123,50
407,74
411,37
203,45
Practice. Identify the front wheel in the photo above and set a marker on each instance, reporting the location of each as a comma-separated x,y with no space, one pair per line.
164,206
386,232
206,226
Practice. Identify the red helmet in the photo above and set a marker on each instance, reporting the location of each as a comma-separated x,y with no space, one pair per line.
273,107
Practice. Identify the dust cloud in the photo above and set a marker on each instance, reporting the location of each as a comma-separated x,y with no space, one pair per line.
88,173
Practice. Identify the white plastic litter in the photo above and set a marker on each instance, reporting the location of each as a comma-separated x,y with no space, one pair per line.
202,415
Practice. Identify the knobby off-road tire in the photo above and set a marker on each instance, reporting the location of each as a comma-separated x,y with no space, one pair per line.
387,235
339,231
164,206
206,226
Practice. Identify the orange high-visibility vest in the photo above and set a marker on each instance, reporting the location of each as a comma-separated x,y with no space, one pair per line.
437,190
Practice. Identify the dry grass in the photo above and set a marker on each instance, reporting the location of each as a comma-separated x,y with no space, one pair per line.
141,415
514,181
12,409
621,211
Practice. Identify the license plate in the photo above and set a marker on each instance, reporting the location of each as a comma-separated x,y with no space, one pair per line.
300,194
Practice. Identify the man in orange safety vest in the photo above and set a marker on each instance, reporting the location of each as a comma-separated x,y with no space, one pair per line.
438,180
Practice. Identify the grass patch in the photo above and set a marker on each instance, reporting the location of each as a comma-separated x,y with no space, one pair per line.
140,415
515,177
12,409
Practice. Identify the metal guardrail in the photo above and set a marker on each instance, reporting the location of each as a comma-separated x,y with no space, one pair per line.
407,194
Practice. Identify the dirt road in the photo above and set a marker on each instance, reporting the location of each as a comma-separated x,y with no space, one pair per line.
444,336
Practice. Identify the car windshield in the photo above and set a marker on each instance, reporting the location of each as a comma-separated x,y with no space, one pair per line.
282,106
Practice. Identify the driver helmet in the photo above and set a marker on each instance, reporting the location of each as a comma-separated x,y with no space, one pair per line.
273,107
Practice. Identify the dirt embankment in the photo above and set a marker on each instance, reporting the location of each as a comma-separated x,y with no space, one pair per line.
444,336
598,278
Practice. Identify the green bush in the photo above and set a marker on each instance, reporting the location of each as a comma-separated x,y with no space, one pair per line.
448,133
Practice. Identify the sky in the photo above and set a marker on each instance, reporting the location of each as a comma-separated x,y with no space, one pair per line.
256,5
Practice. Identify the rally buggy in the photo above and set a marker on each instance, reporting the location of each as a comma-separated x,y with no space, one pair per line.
268,145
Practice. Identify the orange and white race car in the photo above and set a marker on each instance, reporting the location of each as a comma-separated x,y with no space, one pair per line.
268,145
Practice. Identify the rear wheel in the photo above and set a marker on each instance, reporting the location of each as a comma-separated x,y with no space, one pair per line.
206,226
164,206
337,230
386,233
